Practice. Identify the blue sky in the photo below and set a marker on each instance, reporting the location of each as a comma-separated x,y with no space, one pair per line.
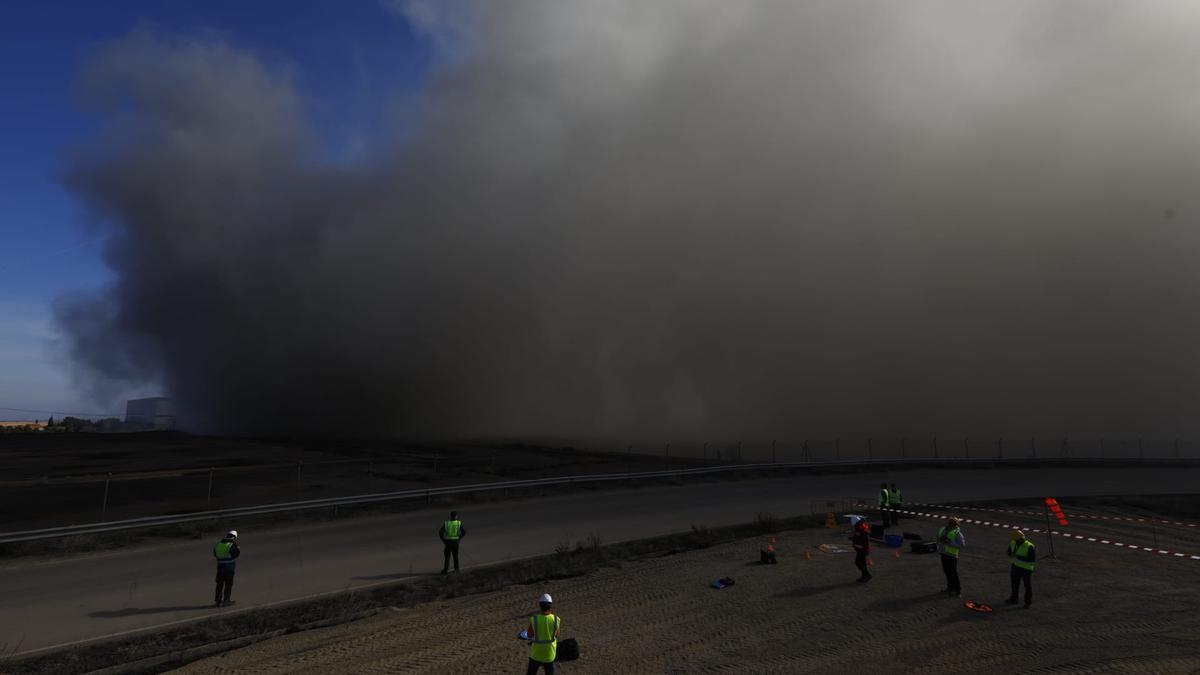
348,58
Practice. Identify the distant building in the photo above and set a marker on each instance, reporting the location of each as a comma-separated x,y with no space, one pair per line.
153,413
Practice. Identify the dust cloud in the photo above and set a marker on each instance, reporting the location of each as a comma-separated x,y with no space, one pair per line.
666,220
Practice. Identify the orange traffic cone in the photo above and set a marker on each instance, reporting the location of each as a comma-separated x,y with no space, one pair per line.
807,555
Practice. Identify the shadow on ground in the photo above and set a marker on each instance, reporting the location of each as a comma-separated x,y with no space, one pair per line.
902,603
135,611
815,590
397,575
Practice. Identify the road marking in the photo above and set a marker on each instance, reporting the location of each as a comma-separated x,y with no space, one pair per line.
1080,516
1065,535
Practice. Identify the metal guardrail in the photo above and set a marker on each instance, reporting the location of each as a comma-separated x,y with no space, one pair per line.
151,521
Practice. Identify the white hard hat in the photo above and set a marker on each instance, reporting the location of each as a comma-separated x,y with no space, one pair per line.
232,534
546,599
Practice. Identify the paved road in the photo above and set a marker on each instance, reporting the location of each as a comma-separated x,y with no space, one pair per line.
53,603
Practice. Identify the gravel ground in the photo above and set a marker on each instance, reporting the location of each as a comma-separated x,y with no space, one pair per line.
1096,609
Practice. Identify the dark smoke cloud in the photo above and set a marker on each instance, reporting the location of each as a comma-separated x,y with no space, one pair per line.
669,220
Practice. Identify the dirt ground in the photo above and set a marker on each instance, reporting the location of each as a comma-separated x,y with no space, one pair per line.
1096,608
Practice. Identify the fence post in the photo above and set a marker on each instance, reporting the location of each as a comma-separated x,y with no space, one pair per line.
104,503
208,502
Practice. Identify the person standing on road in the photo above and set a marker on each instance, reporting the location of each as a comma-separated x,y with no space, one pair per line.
451,532
894,502
1022,553
862,549
226,552
950,541
543,631
884,502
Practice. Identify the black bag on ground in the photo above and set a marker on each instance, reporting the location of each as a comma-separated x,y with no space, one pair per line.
924,547
568,650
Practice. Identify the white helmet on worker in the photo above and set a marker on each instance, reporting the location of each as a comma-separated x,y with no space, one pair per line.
232,534
546,599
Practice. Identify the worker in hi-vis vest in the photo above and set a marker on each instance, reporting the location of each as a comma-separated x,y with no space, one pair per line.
543,632
1023,554
226,552
894,502
950,540
451,532
884,503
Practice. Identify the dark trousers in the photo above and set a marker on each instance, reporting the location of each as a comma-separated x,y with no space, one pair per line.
224,583
1018,575
450,549
860,561
883,515
534,665
950,567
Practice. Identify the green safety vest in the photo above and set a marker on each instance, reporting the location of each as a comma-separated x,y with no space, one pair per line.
1016,554
948,549
894,497
452,527
883,497
544,641
222,549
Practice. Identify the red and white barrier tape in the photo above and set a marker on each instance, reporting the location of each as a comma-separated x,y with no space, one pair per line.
1056,533
1079,516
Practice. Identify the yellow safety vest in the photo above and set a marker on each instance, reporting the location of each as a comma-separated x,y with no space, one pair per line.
544,641
1016,554
894,497
452,527
883,497
222,550
943,537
